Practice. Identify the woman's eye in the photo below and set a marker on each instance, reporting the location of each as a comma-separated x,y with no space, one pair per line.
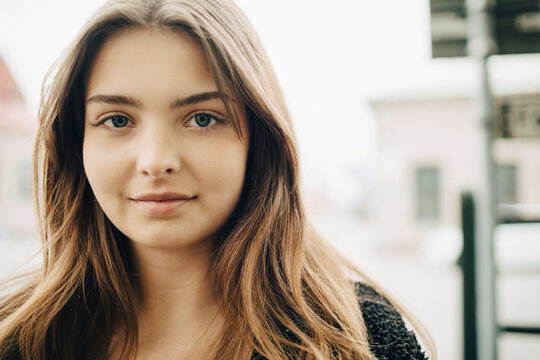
116,121
202,120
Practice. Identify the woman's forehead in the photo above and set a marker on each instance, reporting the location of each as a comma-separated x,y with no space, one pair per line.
138,59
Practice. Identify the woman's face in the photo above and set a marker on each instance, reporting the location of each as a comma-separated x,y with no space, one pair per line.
160,152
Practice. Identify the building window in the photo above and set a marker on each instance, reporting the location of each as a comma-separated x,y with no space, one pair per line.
427,193
506,184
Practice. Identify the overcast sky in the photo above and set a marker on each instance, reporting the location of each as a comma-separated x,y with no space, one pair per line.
331,57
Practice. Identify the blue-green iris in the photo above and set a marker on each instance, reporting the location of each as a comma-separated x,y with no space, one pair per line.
119,121
203,120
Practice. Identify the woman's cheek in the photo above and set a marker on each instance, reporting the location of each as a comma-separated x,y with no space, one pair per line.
105,166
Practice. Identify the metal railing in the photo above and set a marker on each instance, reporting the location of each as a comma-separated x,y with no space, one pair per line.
469,267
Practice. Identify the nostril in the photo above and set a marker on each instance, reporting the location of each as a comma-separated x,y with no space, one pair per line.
158,165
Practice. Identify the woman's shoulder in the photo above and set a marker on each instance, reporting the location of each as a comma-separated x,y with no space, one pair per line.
389,337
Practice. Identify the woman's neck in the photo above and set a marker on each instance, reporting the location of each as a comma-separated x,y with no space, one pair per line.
168,276
176,308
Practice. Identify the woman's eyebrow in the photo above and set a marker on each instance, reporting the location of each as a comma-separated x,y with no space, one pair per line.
114,99
193,99
128,100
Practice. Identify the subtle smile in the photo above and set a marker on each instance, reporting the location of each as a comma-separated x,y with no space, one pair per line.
162,204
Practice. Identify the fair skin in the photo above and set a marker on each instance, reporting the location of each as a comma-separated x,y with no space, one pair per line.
167,167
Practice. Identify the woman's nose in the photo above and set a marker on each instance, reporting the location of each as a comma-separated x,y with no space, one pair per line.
157,155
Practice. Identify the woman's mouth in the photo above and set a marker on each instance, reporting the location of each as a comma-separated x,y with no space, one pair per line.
162,204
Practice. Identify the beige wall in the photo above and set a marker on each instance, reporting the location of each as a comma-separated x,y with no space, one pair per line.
441,133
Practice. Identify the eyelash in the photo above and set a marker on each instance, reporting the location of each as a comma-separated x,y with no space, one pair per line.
112,128
217,119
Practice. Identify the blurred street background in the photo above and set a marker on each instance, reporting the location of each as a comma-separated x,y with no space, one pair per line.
387,137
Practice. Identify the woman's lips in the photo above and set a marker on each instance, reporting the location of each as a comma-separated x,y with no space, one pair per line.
162,204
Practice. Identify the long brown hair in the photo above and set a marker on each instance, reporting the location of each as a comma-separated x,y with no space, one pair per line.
282,289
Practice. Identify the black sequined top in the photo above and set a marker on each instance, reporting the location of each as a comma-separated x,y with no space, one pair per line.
389,337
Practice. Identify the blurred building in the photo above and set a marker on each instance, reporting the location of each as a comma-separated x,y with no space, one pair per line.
429,155
17,132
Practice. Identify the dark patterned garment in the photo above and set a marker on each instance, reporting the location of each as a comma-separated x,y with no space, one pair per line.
389,337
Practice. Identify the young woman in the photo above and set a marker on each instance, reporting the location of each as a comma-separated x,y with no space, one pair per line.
169,205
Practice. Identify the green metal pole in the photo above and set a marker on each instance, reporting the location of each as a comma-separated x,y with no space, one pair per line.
467,263
480,46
